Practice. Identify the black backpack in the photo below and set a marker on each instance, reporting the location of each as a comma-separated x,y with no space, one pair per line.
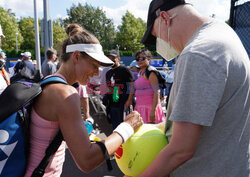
23,73
15,108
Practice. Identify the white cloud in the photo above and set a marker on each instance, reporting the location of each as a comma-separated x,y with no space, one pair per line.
22,7
115,14
61,16
220,8
139,8
78,1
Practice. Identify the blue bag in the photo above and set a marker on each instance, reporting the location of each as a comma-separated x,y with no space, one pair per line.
15,106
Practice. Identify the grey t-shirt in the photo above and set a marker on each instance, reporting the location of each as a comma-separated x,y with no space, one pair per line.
48,68
211,88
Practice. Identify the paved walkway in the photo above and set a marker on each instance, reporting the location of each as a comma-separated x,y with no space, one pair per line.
70,169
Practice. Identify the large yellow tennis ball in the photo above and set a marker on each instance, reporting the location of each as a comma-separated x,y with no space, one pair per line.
138,152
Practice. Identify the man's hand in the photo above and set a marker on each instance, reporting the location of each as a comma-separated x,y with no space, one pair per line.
128,103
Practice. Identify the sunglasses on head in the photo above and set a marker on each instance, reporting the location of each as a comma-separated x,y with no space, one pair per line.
141,59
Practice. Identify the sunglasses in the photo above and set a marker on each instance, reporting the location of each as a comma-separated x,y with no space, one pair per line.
141,59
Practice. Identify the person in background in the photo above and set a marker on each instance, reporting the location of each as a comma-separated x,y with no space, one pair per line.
34,63
25,62
147,90
49,66
84,99
170,80
3,70
1,35
120,93
3,84
134,68
4,76
104,88
25,70
209,101
94,83
58,107
57,63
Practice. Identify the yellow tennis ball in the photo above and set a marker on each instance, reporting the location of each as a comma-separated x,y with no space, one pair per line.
138,152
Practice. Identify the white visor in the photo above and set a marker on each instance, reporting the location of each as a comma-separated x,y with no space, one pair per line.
93,50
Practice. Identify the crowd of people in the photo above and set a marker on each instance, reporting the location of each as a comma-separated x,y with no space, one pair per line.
207,118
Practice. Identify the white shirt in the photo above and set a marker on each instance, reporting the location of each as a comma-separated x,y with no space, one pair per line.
3,84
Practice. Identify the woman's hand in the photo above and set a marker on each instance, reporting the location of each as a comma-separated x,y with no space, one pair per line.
134,120
152,116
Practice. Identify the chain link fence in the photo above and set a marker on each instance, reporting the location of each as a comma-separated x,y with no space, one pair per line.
240,21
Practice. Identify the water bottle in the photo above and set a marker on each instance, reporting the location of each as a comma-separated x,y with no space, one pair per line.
127,111
116,94
89,124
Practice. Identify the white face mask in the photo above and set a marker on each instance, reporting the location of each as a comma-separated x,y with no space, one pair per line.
162,47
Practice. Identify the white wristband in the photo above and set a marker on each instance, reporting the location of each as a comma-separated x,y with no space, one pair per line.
125,131
90,119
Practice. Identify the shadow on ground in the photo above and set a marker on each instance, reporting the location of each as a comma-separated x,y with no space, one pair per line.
70,169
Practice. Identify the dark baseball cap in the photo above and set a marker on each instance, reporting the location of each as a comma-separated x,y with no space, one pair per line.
155,7
114,53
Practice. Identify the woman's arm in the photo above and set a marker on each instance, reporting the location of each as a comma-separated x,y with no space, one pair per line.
155,85
86,155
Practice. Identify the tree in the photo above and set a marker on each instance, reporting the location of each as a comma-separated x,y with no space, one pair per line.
95,21
10,28
130,32
59,34
10,13
26,26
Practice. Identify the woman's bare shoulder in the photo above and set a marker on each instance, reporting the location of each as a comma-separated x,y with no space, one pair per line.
55,99
59,91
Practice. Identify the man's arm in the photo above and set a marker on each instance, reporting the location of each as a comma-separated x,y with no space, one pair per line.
131,95
180,149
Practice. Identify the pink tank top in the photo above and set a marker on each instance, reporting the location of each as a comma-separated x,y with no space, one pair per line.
144,101
144,92
42,132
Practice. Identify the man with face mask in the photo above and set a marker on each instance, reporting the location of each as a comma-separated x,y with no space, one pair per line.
209,101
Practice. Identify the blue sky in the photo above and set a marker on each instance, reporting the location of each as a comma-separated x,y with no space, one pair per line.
114,9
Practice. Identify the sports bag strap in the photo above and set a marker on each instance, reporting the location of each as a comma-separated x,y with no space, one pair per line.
56,142
50,151
52,80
